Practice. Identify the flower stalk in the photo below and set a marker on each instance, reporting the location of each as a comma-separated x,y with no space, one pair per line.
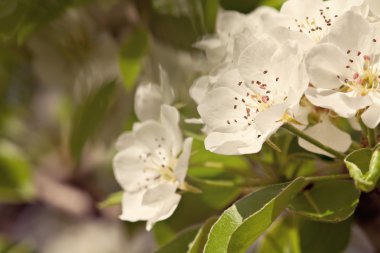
313,141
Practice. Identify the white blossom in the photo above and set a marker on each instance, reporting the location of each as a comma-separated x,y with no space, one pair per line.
309,21
344,70
149,97
234,32
248,103
151,167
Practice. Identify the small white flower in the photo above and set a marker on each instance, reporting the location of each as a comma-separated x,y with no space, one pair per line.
345,70
309,21
234,32
150,167
149,97
248,103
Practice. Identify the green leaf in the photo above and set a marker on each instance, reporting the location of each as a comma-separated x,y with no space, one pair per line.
296,234
89,116
181,242
213,199
282,236
112,200
364,167
132,56
16,180
199,242
317,237
328,201
241,224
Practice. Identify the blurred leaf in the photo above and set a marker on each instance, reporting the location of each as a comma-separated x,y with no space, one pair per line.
9,247
329,201
244,6
16,183
241,224
364,167
181,242
89,116
282,236
19,18
207,165
163,233
112,200
216,194
210,13
317,237
132,56
176,31
199,242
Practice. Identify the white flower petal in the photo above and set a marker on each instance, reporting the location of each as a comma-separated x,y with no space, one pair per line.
130,169
301,115
166,91
255,59
325,63
152,135
158,193
218,113
354,123
374,7
270,120
170,120
148,100
200,88
327,134
133,209
182,165
125,140
165,210
194,121
244,142
229,21
351,32
300,9
371,116
344,104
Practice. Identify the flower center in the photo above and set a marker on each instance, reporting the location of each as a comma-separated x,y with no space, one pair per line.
365,77
257,96
315,27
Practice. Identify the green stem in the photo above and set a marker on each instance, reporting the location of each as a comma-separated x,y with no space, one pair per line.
363,126
372,137
369,133
313,141
327,178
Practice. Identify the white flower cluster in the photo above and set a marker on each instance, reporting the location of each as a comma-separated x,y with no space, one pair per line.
152,160
306,64
312,58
